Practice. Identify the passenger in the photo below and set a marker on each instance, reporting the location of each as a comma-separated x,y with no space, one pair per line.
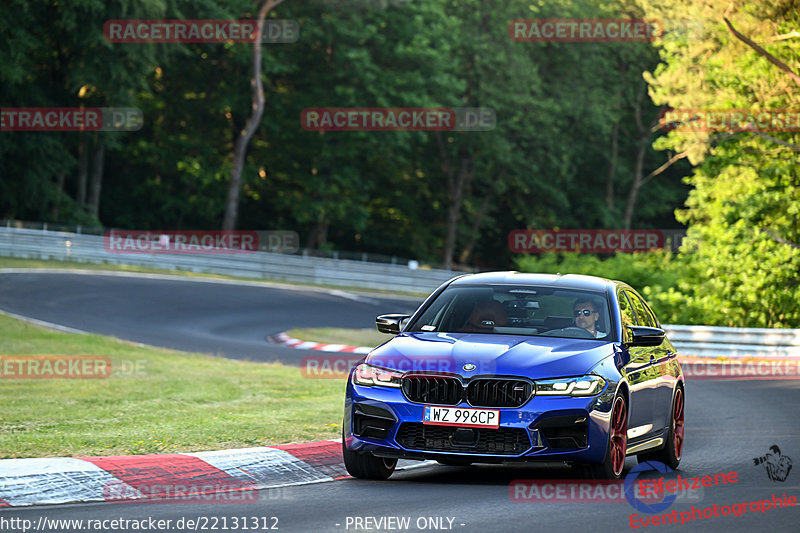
485,316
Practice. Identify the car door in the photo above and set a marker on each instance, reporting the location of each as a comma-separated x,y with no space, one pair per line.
640,372
659,381
664,358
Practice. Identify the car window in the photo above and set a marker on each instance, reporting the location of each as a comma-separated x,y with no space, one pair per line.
628,319
652,314
643,318
626,312
517,310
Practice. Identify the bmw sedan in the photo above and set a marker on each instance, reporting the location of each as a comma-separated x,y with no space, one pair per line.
505,367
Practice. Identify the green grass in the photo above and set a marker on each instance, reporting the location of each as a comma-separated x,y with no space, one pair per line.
14,262
156,401
350,337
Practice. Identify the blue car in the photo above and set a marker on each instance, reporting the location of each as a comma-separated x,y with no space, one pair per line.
505,367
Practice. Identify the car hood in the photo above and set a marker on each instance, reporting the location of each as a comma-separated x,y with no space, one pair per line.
532,357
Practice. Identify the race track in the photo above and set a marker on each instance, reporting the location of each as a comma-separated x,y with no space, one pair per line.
728,423
229,319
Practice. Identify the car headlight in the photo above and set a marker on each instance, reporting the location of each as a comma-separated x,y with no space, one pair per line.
579,386
370,376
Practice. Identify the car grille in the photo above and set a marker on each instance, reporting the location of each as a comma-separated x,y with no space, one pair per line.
481,392
502,441
498,392
440,390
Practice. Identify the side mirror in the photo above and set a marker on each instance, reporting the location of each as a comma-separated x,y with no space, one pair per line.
391,324
645,336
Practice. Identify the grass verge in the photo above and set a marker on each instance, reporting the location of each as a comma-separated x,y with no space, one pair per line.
155,401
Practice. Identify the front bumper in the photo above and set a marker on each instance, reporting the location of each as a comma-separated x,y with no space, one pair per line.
382,421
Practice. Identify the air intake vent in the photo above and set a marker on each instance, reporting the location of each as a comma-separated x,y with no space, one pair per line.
502,441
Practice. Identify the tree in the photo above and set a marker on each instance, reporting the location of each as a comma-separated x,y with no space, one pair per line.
743,211
250,127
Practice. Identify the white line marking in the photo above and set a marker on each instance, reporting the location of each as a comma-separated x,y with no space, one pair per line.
44,324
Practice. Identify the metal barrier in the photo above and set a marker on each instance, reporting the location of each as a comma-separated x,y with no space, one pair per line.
64,246
705,341
716,341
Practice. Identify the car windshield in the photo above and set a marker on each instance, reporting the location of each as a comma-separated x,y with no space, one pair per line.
518,310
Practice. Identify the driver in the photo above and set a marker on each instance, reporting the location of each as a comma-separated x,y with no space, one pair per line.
586,317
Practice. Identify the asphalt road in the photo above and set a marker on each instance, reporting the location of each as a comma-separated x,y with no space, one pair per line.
727,425
229,319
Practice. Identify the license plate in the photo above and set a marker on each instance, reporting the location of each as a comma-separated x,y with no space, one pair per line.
461,417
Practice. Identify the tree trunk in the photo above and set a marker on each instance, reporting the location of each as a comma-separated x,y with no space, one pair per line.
243,140
454,210
638,169
59,193
638,166
97,178
612,167
319,233
476,224
83,171
456,185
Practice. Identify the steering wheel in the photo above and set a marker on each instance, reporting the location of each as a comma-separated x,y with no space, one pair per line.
571,331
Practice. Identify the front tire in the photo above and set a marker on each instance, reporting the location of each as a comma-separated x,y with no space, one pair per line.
614,462
672,451
366,465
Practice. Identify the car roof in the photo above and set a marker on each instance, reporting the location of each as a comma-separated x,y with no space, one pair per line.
567,281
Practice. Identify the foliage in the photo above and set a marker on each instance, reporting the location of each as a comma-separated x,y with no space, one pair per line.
385,192
571,143
744,237
661,277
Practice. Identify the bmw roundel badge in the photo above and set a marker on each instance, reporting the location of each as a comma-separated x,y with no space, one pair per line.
469,367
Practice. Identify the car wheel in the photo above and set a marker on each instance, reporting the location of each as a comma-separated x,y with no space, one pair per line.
366,465
614,461
672,451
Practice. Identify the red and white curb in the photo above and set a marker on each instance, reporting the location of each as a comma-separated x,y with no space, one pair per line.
225,476
291,342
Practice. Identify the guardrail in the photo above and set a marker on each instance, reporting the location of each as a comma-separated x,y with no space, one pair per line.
66,246
704,341
716,341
